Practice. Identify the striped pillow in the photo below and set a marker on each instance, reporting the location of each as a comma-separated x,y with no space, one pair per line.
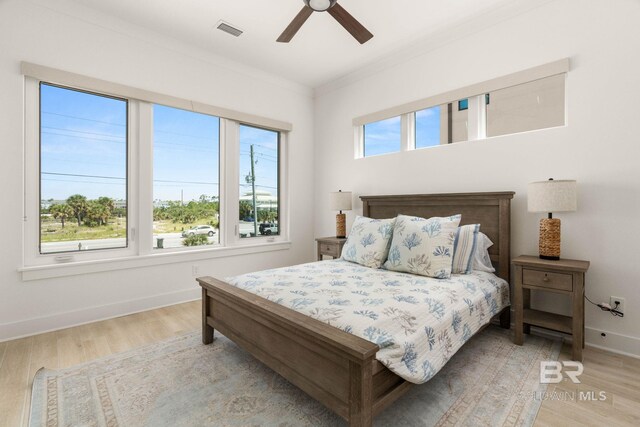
464,247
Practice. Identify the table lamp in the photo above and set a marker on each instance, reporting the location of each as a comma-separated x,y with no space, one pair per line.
340,201
551,196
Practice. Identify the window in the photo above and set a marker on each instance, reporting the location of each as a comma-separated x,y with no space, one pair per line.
259,211
83,171
129,179
382,137
535,105
528,100
457,122
428,124
186,204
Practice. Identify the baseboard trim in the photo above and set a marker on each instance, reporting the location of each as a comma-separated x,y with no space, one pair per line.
618,344
55,322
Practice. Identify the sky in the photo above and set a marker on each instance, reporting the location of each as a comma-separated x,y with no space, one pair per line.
384,136
83,146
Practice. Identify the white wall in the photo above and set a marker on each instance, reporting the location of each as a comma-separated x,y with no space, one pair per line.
88,43
598,147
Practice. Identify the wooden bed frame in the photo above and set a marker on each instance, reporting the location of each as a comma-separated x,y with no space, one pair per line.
335,367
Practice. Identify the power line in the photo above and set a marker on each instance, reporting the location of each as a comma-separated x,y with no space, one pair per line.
84,182
120,178
82,118
184,135
84,137
80,131
82,176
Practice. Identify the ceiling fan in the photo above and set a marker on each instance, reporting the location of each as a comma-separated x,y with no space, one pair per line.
343,17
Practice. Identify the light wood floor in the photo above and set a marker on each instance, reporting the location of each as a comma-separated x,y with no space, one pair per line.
618,376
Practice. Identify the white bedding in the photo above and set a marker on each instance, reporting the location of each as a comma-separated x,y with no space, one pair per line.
418,322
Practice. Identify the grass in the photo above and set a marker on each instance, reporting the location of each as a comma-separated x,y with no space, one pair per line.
52,231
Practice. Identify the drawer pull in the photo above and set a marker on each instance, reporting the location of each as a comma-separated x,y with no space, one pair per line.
546,278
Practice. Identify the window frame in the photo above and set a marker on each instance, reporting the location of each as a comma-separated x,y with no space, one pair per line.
140,245
221,179
32,207
478,96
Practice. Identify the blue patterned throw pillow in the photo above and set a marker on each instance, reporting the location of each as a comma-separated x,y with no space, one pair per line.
368,241
423,246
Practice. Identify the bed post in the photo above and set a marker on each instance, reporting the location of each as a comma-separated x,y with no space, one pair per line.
360,393
207,330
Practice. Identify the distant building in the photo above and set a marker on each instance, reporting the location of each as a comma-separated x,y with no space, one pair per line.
264,199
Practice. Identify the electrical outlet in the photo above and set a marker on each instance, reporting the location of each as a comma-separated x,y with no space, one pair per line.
613,300
195,270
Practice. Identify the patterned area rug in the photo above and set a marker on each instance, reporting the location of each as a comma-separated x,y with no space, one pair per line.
180,382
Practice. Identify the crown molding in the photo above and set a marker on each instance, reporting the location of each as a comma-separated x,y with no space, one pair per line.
406,51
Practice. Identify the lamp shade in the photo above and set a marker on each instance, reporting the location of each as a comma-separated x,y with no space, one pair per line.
553,196
340,201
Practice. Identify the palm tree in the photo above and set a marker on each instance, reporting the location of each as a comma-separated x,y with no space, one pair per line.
62,212
78,203
109,207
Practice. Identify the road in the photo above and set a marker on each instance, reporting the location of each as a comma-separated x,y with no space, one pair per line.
171,240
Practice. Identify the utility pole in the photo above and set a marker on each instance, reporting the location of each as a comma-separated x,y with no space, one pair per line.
253,191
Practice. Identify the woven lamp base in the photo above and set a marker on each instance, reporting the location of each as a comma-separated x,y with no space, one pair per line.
549,243
341,225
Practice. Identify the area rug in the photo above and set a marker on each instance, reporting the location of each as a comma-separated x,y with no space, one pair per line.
181,382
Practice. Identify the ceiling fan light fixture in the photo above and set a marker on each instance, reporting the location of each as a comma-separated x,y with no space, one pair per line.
320,5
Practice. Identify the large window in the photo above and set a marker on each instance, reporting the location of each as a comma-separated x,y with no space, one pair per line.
186,204
382,137
83,171
135,177
259,182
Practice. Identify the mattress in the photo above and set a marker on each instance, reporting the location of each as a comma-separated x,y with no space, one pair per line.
418,322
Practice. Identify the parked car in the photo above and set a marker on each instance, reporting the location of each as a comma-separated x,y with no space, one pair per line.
268,228
199,229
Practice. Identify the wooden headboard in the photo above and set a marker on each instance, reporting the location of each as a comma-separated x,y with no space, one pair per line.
491,210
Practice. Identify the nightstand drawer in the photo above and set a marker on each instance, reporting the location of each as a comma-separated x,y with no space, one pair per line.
331,250
546,279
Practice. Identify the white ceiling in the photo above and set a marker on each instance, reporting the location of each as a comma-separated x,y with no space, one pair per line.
321,51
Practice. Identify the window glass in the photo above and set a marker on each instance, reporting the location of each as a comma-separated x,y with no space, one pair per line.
259,182
382,137
534,105
457,124
186,203
83,171
428,124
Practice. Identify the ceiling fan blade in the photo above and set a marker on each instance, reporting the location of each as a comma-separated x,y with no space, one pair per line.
350,23
295,25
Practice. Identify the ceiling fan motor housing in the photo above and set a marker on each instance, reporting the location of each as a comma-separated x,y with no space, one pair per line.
320,5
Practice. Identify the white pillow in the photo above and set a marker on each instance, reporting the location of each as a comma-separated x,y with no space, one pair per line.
423,246
368,241
481,258
464,248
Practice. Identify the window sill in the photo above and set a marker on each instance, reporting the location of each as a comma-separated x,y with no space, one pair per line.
95,266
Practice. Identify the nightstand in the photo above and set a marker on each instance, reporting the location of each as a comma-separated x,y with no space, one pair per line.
565,276
330,246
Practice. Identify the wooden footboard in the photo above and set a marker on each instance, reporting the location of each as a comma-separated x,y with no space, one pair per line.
334,367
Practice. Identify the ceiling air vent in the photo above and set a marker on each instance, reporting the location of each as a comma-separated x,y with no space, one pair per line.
228,28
